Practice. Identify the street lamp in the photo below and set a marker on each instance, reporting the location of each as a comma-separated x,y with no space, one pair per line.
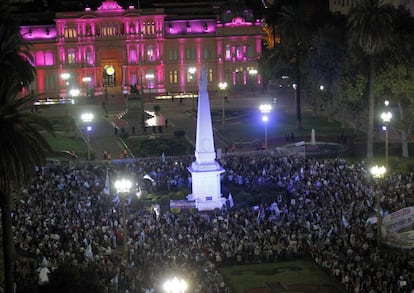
223,86
190,74
86,80
175,285
123,187
86,119
378,172
65,77
265,110
386,118
253,74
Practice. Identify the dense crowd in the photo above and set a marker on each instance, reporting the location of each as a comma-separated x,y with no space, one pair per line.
319,209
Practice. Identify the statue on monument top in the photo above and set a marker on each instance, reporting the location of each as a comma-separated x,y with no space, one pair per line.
203,79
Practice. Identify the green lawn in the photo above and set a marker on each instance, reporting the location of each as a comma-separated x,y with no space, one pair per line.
289,276
62,142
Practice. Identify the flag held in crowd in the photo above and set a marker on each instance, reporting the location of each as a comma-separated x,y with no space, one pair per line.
107,187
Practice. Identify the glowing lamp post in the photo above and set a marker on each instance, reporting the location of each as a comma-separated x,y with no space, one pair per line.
386,118
223,86
378,173
74,92
265,110
86,80
86,119
66,77
175,285
190,78
123,187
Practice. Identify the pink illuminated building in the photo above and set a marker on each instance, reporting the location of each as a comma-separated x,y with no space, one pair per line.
110,49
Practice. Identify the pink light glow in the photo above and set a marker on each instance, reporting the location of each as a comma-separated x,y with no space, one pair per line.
109,5
190,27
38,32
238,21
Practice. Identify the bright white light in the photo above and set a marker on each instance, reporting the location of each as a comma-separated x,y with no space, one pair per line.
265,118
149,76
123,185
65,76
192,70
222,85
321,87
378,171
265,108
386,103
87,117
386,117
253,71
175,286
86,79
88,128
74,92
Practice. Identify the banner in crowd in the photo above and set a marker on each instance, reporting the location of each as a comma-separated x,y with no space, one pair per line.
399,220
398,228
182,204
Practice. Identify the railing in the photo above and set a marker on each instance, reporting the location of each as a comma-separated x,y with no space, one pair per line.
172,96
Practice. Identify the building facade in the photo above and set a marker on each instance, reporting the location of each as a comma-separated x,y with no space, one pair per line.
112,50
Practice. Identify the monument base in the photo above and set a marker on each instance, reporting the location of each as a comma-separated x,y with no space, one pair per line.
207,205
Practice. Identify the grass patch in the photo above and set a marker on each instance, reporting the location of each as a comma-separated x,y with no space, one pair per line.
291,275
65,142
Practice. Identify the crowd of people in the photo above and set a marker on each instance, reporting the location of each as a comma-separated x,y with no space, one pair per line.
319,210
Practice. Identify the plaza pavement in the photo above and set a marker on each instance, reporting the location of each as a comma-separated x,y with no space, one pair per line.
122,114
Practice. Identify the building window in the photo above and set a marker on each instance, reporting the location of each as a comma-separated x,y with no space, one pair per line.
148,28
173,77
190,53
173,55
39,59
71,56
249,51
89,57
207,53
228,52
49,58
150,53
109,30
70,32
210,75
133,58
239,52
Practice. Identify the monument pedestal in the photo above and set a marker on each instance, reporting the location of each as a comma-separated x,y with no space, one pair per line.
206,185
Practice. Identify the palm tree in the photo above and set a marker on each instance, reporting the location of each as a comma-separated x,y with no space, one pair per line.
293,32
370,28
22,148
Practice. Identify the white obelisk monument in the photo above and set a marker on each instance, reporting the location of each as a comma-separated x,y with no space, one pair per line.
205,170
